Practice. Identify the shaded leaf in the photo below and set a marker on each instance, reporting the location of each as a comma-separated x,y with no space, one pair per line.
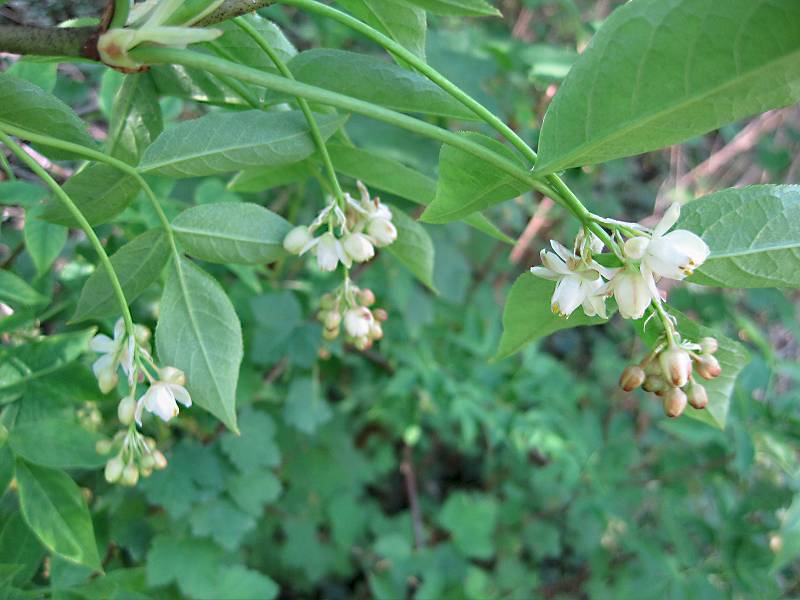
405,24
413,247
68,445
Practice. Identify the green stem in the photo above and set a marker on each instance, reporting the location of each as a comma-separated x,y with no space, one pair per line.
295,88
425,69
312,122
100,157
6,167
120,17
666,322
78,216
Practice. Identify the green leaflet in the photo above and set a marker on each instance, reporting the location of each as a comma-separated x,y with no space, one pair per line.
413,247
753,233
231,232
137,264
662,71
375,80
198,332
135,118
466,8
54,508
68,444
222,142
405,24
527,315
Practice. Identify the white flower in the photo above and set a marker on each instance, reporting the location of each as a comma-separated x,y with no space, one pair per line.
115,352
632,293
382,231
358,247
578,283
329,252
358,322
677,254
296,240
160,398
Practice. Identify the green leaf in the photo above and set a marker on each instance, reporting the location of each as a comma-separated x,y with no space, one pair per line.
99,191
255,446
265,178
732,357
471,520
232,232
222,521
44,241
305,408
198,332
662,71
135,118
41,74
191,563
222,142
753,234
413,247
392,176
241,47
789,535
527,315
137,265
54,508
405,24
467,184
15,291
375,80
68,444
19,545
21,193
25,105
191,11
192,84
239,583
464,8
254,489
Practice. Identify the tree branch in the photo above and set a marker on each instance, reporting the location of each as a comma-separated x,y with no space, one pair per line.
82,41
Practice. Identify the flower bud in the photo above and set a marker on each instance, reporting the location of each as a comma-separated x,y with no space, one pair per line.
380,314
296,239
635,247
146,471
327,302
708,366
172,375
126,410
382,231
113,469
103,446
674,402
141,334
362,343
159,461
358,246
330,334
332,320
654,384
376,332
147,461
632,377
358,322
676,365
366,297
130,475
107,380
698,397
328,252
709,345
775,542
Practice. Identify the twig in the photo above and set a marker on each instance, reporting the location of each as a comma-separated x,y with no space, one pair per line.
45,163
407,469
538,220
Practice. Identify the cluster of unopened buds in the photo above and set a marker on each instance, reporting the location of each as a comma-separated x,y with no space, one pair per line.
135,454
363,225
350,306
668,372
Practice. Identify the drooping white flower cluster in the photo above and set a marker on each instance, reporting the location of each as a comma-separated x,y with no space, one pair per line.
364,225
166,388
647,257
350,306
157,21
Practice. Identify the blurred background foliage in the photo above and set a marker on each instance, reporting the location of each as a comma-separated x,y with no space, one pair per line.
420,468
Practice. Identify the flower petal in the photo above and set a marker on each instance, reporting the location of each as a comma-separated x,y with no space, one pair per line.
102,343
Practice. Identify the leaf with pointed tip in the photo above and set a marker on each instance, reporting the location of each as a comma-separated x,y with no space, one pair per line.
375,80
135,118
413,247
68,444
137,265
527,316
404,23
223,142
17,292
662,71
232,232
753,234
240,46
44,241
54,508
198,332
25,105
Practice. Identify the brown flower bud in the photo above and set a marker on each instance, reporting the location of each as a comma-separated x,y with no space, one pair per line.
708,366
632,377
380,314
698,397
674,402
654,384
709,345
676,364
